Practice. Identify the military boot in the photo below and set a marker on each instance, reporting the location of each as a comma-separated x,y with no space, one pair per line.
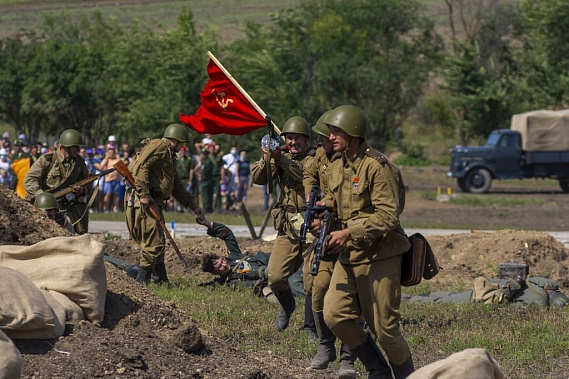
144,275
288,305
160,275
309,322
326,352
403,370
373,360
347,359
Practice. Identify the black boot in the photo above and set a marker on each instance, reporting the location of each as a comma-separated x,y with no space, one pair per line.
288,306
326,349
143,276
309,322
373,360
403,370
160,276
347,359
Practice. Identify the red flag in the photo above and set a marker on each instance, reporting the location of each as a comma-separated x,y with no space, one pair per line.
224,108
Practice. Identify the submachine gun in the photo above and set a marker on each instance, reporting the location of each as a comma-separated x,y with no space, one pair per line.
313,211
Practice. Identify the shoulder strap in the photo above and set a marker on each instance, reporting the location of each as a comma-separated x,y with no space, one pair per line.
375,154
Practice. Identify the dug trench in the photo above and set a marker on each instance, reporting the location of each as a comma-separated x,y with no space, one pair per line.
143,336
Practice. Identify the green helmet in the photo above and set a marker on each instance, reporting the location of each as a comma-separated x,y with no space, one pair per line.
177,132
296,125
320,127
348,118
71,137
46,200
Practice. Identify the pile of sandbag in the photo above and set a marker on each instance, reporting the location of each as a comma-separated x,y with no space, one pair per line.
46,285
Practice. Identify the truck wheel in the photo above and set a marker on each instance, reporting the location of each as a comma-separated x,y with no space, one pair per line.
462,184
564,183
478,180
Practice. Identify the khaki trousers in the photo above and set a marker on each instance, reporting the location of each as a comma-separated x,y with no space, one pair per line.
285,260
146,232
374,291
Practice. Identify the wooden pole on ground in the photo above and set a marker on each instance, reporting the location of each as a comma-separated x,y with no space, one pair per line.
248,221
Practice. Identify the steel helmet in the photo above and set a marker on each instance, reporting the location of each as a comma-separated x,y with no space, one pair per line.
177,132
350,119
296,125
70,137
320,127
46,200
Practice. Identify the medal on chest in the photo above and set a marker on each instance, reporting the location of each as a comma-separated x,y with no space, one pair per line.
356,182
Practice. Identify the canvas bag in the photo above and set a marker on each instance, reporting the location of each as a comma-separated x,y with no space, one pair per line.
418,262
72,266
10,359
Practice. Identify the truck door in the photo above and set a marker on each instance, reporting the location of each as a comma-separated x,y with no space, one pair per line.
509,159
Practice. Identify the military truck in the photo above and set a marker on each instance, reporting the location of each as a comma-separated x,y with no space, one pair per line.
535,146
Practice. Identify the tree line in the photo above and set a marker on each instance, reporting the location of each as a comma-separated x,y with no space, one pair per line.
385,56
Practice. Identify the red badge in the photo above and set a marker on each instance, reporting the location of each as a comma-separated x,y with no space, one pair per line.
356,182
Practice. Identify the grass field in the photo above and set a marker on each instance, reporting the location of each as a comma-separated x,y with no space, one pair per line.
227,16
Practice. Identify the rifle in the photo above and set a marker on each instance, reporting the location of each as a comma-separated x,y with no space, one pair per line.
268,161
124,171
321,242
312,211
68,190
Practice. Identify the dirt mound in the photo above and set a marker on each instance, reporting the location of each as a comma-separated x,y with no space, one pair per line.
21,223
466,256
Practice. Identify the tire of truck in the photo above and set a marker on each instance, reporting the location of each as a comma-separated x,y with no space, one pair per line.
478,180
462,184
564,184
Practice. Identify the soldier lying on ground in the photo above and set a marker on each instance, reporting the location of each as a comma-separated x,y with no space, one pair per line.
237,269
533,290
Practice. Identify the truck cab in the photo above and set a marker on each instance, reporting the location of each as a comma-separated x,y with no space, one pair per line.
501,157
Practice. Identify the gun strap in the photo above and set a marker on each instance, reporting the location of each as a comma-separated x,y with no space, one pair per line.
90,202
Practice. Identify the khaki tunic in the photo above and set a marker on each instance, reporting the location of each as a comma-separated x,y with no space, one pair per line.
369,194
52,172
286,256
317,174
155,176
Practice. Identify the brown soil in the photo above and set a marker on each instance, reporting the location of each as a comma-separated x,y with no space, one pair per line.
143,336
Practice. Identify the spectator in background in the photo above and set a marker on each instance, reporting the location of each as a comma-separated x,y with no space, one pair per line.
206,181
18,154
111,180
243,170
4,178
230,163
4,168
113,142
183,167
206,141
6,141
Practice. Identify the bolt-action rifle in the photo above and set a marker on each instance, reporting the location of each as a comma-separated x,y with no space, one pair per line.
124,171
312,211
67,192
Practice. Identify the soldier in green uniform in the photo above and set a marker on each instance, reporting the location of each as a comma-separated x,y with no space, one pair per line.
60,169
287,169
369,194
47,202
206,181
317,174
154,172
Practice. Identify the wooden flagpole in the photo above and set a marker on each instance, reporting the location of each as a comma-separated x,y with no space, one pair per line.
243,92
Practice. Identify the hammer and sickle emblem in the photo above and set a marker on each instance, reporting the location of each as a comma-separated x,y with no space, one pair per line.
221,100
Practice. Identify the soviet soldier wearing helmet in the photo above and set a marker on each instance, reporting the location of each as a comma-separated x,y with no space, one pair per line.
369,193
47,202
60,169
155,175
286,166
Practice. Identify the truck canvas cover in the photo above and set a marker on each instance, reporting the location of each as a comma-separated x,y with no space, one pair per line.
543,130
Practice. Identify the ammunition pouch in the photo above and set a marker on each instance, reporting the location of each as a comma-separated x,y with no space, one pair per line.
279,217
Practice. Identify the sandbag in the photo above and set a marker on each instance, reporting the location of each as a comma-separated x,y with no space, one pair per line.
22,305
25,311
469,363
72,266
10,359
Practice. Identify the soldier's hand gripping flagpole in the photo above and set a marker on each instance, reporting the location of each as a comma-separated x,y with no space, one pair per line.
125,172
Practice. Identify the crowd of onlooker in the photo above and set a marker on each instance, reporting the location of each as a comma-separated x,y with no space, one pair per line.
220,181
